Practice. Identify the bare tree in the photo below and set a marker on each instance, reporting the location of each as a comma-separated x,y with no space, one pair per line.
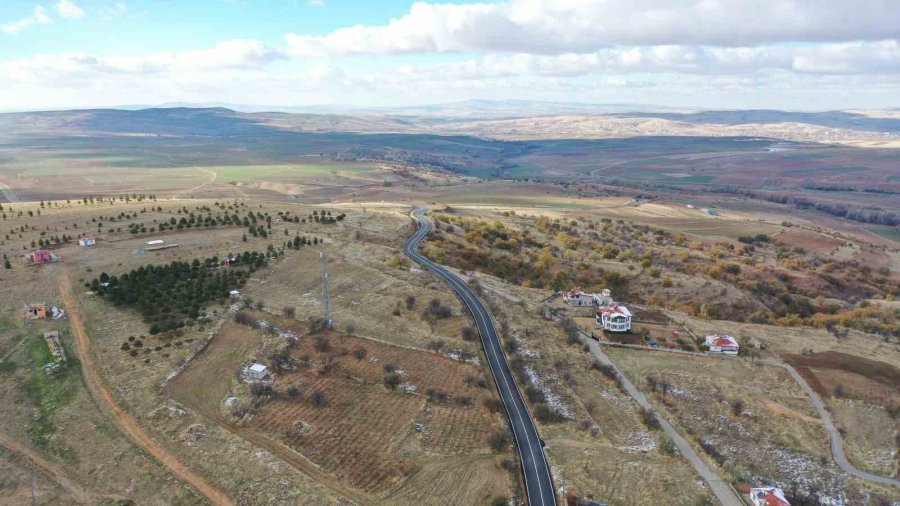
410,301
360,353
288,311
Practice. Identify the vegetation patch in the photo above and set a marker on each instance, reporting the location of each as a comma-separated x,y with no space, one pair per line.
167,295
49,391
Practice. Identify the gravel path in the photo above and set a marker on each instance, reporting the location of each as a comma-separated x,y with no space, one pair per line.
837,448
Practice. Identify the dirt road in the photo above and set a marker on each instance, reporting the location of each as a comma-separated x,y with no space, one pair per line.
124,421
80,494
837,447
722,490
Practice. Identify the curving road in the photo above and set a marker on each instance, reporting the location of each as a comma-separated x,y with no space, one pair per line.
837,448
535,470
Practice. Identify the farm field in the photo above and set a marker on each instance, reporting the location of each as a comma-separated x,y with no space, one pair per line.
392,403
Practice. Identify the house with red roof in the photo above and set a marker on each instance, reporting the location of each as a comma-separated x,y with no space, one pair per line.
768,496
722,344
613,318
42,256
578,298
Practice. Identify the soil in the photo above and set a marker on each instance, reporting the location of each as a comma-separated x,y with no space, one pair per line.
862,378
119,416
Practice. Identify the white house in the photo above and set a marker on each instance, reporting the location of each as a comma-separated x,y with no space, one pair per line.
257,371
768,496
723,344
578,298
604,298
87,241
154,242
234,294
614,318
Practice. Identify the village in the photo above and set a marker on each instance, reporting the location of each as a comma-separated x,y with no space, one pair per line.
613,319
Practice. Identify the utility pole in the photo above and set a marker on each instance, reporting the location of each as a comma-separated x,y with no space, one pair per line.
327,314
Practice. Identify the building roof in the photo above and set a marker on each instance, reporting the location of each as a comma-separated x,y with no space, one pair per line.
721,341
768,496
258,368
156,241
614,310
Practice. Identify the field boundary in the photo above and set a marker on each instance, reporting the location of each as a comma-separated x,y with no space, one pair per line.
124,421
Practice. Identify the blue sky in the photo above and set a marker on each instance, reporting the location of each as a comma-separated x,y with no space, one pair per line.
792,54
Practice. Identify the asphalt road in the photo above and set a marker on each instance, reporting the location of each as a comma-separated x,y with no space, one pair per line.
536,472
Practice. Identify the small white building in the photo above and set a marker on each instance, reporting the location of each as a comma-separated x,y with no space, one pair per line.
723,344
578,298
604,298
87,241
155,242
768,496
257,372
234,294
614,318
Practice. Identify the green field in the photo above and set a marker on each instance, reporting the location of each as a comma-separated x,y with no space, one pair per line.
892,233
49,392
246,173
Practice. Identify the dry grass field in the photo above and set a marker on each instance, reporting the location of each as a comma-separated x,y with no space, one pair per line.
415,445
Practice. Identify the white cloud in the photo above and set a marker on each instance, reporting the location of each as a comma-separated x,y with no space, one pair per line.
317,3
579,26
73,69
38,17
69,9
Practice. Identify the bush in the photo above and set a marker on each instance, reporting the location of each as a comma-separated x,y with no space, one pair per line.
534,394
469,333
318,398
668,446
391,380
492,404
498,440
650,419
545,414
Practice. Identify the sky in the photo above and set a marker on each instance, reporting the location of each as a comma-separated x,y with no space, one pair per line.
715,54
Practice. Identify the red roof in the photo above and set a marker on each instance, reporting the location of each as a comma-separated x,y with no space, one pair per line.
723,341
768,497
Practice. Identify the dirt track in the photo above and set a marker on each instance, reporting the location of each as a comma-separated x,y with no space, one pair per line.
78,493
122,419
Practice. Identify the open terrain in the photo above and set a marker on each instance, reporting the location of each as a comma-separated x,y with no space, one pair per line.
394,402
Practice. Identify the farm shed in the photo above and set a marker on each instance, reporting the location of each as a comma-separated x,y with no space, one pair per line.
43,256
87,241
257,371
56,348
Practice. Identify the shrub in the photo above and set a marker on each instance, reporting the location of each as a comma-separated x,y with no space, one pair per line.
650,419
319,398
498,440
545,414
391,380
668,446
469,333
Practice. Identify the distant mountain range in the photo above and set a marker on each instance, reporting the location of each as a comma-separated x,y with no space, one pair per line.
512,119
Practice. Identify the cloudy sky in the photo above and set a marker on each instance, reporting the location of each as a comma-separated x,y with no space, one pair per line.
789,54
